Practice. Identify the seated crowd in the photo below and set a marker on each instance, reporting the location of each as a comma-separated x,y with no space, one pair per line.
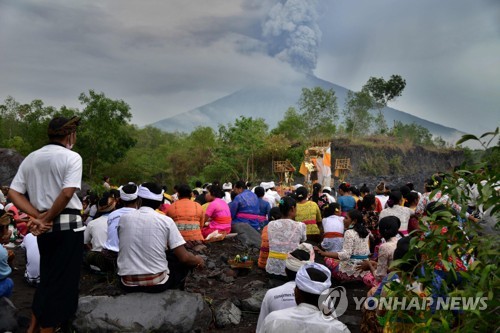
150,238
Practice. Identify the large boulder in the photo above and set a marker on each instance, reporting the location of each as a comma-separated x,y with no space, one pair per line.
227,314
10,160
247,235
170,311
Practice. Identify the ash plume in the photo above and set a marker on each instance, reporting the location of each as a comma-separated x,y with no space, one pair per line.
292,34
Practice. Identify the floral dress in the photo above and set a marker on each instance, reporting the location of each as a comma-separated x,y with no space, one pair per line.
354,251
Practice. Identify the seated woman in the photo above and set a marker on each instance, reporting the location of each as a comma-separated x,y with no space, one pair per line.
274,214
217,214
388,226
345,200
394,208
308,213
333,226
355,249
188,216
368,207
284,235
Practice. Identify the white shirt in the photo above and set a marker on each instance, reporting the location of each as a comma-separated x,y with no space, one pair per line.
333,223
112,242
144,236
30,243
302,318
45,172
279,298
96,233
227,197
401,212
383,199
272,197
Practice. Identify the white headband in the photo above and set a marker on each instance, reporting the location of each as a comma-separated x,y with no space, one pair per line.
145,193
304,282
128,196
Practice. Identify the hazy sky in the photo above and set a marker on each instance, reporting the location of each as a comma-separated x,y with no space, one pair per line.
167,57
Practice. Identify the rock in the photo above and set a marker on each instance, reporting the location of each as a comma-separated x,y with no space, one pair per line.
247,235
254,285
9,163
8,321
227,314
254,302
169,311
210,264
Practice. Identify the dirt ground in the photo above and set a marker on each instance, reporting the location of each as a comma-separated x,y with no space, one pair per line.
216,283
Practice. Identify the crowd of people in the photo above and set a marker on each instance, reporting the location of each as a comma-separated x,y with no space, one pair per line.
149,238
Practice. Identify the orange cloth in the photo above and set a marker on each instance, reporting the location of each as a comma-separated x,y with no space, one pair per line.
327,158
264,249
303,170
189,218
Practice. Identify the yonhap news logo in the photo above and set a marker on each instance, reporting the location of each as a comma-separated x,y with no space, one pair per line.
333,303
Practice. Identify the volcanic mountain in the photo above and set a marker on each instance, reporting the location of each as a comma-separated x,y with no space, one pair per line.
271,102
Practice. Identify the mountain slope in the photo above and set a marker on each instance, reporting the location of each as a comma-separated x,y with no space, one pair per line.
271,102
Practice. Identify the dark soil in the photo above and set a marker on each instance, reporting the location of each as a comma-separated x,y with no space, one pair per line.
217,283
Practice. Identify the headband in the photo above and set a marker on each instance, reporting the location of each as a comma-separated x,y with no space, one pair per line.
145,193
304,282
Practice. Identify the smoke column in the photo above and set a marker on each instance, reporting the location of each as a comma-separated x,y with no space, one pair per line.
292,34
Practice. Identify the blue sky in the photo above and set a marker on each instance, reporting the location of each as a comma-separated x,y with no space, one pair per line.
167,57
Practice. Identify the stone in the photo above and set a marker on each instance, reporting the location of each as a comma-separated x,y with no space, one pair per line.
254,302
247,235
8,320
169,311
10,160
227,314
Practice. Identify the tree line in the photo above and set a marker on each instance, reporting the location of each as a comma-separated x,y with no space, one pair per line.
244,149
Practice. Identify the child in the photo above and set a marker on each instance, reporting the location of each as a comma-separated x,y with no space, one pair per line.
333,225
6,283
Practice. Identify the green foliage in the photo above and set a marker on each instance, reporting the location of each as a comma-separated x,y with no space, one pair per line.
293,126
104,136
320,111
447,236
357,117
383,91
413,133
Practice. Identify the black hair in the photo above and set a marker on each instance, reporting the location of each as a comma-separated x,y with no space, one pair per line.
364,189
368,202
233,195
330,209
344,187
433,183
156,189
359,225
240,184
197,183
355,191
389,226
196,193
184,191
315,193
394,198
402,248
105,178
259,191
404,190
301,193
286,204
114,193
315,275
216,191
410,186
302,256
275,214
410,198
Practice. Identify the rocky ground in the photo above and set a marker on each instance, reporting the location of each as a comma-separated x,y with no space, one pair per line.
233,295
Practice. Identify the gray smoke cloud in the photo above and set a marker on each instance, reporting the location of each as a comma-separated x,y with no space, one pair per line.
292,34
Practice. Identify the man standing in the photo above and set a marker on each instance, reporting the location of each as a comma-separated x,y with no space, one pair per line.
51,175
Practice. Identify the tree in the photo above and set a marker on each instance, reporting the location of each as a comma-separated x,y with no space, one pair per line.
105,135
382,92
413,132
239,143
293,126
320,111
357,117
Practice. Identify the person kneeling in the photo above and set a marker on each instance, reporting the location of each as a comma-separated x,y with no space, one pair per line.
152,256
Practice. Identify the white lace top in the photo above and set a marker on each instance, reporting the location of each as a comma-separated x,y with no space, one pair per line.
284,237
353,246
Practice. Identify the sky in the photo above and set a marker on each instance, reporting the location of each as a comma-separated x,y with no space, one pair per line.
167,57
